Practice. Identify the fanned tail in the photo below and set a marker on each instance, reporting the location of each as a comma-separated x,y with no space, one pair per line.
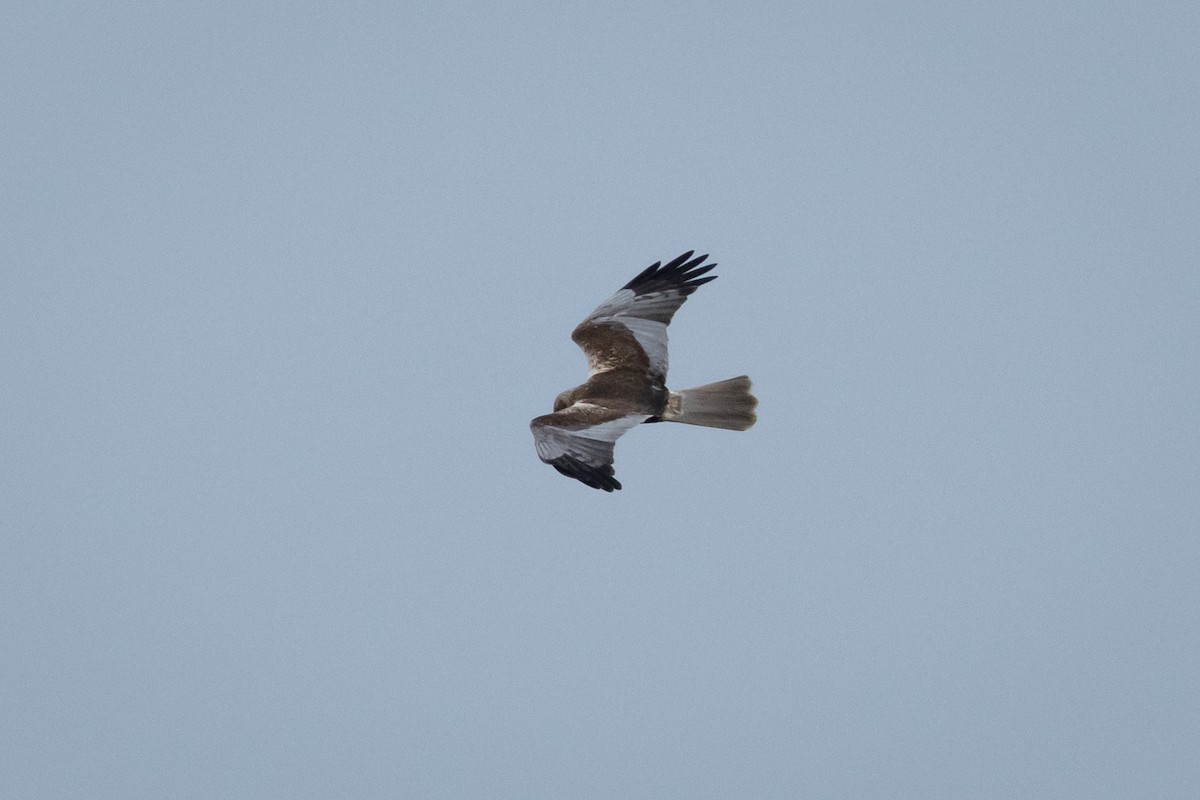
724,404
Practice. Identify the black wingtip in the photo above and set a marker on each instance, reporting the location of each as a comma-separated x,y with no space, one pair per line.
595,477
683,271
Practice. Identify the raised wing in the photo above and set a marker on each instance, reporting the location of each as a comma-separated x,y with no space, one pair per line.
578,442
629,330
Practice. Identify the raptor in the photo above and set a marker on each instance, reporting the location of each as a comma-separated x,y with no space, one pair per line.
625,341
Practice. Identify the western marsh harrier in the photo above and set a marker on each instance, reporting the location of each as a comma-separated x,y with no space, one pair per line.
625,341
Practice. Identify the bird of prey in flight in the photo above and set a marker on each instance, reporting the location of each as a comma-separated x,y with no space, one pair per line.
625,341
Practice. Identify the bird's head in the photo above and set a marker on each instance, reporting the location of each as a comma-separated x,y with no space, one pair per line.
564,400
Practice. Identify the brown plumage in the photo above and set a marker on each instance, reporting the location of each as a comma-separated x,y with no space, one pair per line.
625,341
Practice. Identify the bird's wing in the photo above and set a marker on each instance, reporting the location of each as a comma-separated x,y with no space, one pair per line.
578,441
629,329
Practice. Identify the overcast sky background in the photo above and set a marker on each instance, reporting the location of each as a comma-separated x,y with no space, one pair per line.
283,284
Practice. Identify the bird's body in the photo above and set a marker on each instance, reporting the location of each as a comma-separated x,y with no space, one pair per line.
625,341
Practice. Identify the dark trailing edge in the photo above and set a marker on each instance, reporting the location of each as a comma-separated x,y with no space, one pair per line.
595,477
678,273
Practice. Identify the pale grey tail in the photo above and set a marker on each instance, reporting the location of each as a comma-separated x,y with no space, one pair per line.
725,404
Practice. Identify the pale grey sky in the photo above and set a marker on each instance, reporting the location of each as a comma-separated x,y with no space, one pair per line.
284,284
